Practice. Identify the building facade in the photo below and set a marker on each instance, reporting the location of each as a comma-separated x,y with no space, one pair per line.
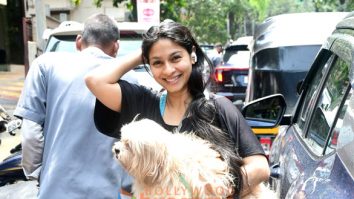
48,14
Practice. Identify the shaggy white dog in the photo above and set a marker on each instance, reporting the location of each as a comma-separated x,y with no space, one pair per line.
167,165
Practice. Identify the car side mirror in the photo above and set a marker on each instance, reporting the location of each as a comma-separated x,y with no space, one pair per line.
266,112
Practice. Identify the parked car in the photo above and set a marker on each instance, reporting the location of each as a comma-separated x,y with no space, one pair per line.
207,48
312,156
282,52
230,79
241,44
63,38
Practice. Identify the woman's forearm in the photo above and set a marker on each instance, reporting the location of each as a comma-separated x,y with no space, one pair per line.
256,170
114,71
102,81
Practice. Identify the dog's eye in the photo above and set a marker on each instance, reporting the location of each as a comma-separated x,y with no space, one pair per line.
127,145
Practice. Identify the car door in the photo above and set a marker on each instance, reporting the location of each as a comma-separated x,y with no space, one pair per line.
307,154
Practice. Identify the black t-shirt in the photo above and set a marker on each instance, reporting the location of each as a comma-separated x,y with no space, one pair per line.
138,101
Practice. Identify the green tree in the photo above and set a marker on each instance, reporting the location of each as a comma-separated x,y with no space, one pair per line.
289,6
206,19
172,9
216,20
241,18
260,7
222,20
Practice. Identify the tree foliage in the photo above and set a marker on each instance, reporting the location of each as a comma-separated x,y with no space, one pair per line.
214,21
261,8
207,19
289,6
171,9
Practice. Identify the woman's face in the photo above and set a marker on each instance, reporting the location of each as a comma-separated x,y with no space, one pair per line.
171,65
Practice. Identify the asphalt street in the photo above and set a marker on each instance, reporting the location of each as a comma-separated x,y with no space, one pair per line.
11,84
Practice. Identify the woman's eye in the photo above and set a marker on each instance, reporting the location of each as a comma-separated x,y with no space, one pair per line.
156,64
176,58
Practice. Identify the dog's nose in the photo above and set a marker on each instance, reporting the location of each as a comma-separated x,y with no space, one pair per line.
116,151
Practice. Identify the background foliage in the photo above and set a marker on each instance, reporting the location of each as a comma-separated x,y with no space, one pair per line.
225,20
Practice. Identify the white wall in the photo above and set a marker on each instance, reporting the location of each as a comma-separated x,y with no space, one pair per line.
86,8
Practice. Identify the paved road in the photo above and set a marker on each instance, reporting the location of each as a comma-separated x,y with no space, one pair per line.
20,190
11,84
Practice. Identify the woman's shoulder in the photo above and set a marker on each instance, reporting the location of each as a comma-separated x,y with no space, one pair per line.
137,88
221,101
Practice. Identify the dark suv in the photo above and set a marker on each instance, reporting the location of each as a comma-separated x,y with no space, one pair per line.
312,156
230,79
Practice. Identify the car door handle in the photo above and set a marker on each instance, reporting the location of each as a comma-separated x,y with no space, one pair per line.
275,170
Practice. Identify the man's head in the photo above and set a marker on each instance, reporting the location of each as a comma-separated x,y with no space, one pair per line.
218,47
100,31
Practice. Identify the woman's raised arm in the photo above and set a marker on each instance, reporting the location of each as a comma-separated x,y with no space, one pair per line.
102,81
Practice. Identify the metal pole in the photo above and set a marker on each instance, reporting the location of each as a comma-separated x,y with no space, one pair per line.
41,23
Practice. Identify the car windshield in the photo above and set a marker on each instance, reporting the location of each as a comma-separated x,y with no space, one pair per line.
58,43
240,59
231,50
128,45
66,43
289,58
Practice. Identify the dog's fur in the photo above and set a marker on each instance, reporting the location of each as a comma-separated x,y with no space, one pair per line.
179,165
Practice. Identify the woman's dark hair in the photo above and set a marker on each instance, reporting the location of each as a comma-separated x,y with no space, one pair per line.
201,112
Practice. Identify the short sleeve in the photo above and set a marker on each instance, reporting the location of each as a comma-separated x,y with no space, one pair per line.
136,101
246,141
32,102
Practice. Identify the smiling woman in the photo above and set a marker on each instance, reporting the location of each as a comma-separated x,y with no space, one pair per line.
177,62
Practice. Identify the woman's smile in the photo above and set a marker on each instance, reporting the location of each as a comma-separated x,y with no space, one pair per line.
173,80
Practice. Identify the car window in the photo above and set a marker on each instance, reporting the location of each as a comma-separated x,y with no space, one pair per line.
233,50
327,107
61,43
311,94
289,58
343,133
207,49
346,135
241,59
128,45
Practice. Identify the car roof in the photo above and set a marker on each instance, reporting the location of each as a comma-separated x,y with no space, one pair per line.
296,29
245,40
347,23
74,28
64,28
241,43
341,44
